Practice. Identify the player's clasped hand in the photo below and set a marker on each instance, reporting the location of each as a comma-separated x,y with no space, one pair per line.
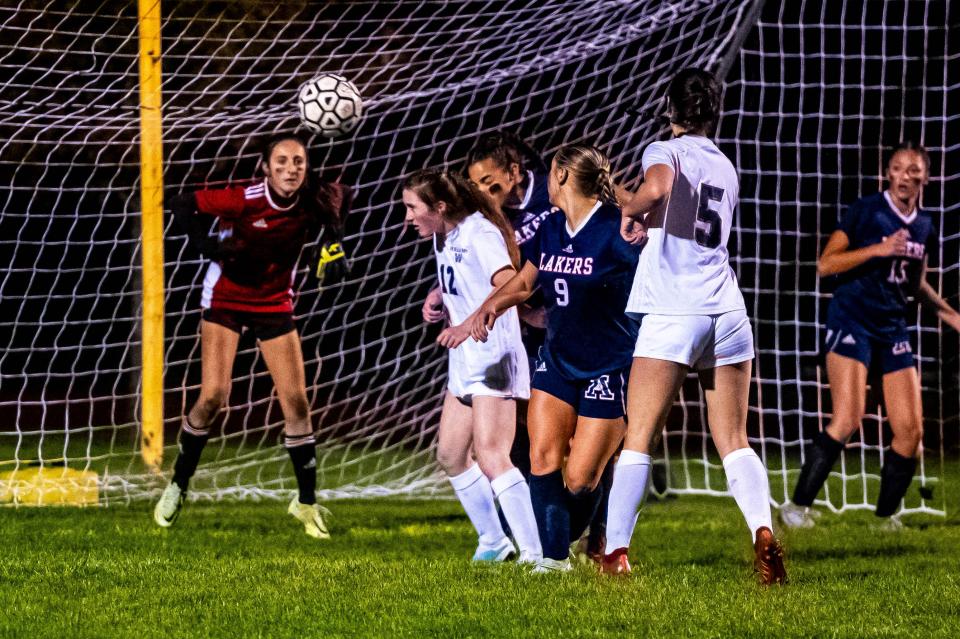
454,336
633,231
483,321
895,244
433,307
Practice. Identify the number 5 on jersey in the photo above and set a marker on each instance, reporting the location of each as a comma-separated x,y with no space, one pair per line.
708,225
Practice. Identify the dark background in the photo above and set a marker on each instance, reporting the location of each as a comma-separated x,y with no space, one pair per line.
812,99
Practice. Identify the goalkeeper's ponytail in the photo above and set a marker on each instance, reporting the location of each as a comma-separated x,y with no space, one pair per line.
462,199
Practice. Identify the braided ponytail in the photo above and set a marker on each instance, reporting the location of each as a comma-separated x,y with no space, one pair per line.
590,170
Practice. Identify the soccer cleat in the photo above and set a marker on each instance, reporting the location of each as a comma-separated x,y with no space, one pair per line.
494,554
547,565
588,549
888,525
616,563
793,516
768,562
311,515
168,508
528,559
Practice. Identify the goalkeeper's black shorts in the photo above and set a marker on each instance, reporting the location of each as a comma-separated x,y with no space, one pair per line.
264,326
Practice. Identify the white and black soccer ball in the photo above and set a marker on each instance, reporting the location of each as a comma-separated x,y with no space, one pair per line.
330,105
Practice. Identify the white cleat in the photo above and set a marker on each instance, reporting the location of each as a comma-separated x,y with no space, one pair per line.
167,510
888,525
795,517
547,566
495,554
528,559
311,516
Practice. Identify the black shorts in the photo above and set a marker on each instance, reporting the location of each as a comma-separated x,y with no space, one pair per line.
264,326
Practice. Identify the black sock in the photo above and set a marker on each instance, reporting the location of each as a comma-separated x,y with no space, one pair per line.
303,454
820,459
598,525
191,446
549,497
520,451
895,478
582,506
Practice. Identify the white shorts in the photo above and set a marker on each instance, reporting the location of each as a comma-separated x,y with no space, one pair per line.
698,341
476,371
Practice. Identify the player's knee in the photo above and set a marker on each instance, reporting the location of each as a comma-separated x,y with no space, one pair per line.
844,422
909,433
212,401
581,480
545,457
492,461
452,460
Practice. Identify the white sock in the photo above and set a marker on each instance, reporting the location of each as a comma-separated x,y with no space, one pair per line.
474,492
513,493
749,485
631,478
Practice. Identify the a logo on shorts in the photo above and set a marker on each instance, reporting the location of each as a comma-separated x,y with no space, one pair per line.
599,388
541,367
848,340
260,224
901,348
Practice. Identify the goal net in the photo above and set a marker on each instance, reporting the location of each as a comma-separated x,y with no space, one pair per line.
433,75
818,94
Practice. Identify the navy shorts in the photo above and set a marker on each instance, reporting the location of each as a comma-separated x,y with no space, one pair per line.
890,354
603,397
264,326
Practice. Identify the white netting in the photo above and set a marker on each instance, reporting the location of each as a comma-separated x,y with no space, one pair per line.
810,99
817,93
434,75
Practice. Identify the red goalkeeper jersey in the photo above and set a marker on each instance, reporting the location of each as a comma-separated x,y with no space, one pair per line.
264,241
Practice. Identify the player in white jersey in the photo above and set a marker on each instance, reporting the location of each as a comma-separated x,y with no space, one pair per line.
476,252
692,317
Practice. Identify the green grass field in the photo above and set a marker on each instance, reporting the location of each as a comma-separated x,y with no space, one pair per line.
401,569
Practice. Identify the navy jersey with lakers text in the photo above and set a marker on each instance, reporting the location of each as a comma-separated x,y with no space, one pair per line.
526,220
585,277
877,293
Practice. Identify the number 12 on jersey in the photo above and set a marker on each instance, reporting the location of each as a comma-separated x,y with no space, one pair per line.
446,280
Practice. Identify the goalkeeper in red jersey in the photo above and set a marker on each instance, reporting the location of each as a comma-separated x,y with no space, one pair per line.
262,229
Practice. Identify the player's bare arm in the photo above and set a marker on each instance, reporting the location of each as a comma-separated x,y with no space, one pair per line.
515,291
454,336
929,297
837,259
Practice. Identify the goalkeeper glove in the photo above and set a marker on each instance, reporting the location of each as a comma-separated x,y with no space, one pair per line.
332,264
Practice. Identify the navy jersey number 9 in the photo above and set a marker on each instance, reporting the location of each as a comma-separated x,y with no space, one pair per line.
706,229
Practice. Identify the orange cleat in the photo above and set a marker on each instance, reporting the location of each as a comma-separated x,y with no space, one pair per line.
769,558
616,563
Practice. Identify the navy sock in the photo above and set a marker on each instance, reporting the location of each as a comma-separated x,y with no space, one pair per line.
582,506
191,446
303,454
895,478
549,497
820,459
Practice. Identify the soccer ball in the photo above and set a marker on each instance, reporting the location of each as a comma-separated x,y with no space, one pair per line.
330,105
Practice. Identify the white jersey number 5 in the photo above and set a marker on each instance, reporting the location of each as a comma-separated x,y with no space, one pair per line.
708,225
